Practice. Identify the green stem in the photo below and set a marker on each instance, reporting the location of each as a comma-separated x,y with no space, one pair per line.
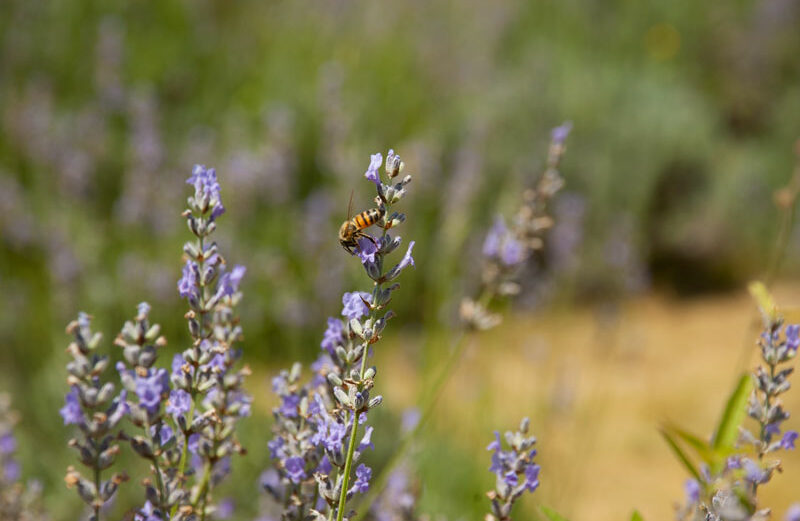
97,485
193,392
203,490
351,448
157,469
427,406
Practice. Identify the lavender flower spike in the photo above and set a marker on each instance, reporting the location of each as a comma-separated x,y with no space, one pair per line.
514,469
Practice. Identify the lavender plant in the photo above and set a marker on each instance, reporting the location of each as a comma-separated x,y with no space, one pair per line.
514,469
316,441
191,412
97,411
505,248
18,501
726,485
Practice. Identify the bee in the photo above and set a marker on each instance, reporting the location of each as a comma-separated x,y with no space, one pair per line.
351,229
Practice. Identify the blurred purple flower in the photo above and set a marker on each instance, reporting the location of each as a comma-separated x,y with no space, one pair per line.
560,133
787,442
692,489
229,281
150,388
8,443
332,336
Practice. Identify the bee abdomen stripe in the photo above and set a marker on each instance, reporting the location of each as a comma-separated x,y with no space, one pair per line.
360,221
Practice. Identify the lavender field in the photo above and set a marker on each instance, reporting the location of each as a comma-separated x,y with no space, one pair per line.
419,261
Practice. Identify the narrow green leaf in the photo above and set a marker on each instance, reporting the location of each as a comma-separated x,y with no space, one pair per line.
551,514
700,446
735,410
636,516
682,457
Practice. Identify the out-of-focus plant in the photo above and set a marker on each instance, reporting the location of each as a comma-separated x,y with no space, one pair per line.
727,471
18,501
505,251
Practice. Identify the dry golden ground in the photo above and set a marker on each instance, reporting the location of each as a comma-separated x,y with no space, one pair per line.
597,385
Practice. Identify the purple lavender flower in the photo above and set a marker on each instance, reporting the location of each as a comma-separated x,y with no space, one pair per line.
510,478
754,473
692,489
8,443
187,285
332,336
289,404
150,388
793,337
410,419
179,403
515,470
512,252
225,509
354,306
229,282
491,245
373,172
787,442
793,513
206,185
363,475
532,477
295,469
275,447
330,433
559,134
11,470
407,258
366,250
71,412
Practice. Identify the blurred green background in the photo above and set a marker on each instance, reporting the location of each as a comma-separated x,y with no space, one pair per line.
685,116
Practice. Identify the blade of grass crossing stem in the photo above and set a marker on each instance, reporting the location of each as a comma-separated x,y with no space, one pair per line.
701,447
682,457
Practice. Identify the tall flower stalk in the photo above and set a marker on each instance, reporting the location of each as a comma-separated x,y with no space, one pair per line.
93,407
317,440
730,490
208,398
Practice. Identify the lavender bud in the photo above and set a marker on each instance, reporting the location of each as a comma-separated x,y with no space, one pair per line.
342,397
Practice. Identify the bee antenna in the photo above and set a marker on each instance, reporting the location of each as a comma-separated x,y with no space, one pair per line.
350,205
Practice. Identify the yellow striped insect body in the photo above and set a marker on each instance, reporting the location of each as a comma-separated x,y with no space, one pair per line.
352,229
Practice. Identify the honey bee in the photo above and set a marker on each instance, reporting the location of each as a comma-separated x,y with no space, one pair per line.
351,229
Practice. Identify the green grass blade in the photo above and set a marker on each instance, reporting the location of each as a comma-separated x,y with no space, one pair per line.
551,514
728,428
636,516
700,446
682,457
